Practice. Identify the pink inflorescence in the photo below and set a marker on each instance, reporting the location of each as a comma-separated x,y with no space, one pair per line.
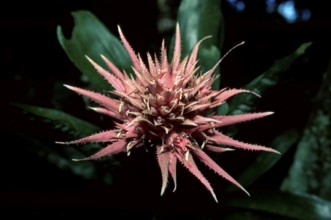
166,106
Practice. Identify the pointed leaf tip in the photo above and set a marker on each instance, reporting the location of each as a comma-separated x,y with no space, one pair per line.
177,49
214,196
92,108
276,152
90,60
177,26
69,87
129,49
163,159
119,29
174,189
269,113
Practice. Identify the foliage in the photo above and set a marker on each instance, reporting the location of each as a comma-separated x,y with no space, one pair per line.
199,19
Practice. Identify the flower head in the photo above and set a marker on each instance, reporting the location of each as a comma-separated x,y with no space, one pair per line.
166,106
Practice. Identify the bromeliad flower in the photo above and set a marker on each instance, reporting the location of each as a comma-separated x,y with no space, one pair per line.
166,106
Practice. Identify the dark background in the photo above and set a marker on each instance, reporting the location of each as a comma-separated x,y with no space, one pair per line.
34,66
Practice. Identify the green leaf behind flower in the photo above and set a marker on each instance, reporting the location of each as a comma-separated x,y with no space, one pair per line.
311,168
61,155
90,37
284,205
243,103
197,20
63,120
265,161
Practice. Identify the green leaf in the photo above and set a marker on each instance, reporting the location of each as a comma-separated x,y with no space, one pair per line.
245,103
265,161
90,37
78,128
197,20
296,206
208,57
86,170
310,171
61,119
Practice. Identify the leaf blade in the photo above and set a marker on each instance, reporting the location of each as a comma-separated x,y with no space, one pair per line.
91,37
197,20
265,161
268,79
72,122
297,206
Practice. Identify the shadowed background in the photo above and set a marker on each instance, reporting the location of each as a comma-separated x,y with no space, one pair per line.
34,67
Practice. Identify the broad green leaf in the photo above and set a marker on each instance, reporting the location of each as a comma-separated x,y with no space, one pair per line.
294,206
65,121
265,161
90,37
245,103
311,168
198,19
